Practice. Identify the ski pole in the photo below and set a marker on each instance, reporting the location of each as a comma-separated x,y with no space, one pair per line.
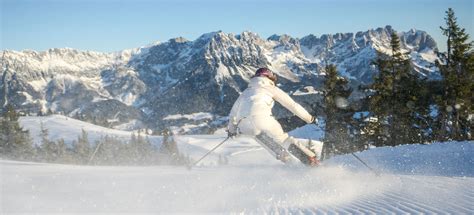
209,152
93,154
375,172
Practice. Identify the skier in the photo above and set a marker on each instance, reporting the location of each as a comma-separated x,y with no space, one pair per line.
251,115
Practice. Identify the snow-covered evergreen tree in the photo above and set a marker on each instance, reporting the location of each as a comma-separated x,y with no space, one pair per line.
457,69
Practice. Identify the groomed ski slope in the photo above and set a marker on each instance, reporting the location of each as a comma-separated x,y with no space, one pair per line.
431,179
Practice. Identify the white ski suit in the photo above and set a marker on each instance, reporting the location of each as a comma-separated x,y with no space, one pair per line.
251,114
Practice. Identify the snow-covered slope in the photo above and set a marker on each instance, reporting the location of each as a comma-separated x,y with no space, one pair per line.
68,129
146,85
431,179
253,182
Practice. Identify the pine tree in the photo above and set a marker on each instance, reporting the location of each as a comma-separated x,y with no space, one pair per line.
133,149
338,113
455,103
170,148
144,149
63,153
82,148
49,149
15,142
398,102
118,150
410,107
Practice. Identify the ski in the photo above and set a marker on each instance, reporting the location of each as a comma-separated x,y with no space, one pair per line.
273,147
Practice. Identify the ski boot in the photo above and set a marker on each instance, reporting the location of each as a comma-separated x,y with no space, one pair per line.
306,153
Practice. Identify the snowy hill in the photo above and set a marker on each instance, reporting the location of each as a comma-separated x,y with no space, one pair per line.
432,179
62,127
143,86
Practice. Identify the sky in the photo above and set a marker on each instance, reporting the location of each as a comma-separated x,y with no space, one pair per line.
113,25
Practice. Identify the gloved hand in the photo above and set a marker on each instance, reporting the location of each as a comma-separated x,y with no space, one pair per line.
231,134
314,120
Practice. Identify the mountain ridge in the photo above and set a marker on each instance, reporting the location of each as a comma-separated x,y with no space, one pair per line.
180,76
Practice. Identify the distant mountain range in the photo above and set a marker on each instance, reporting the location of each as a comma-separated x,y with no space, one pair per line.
170,83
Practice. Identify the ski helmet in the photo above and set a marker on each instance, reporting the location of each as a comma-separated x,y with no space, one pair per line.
266,72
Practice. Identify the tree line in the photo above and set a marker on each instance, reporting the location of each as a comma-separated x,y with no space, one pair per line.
403,107
16,144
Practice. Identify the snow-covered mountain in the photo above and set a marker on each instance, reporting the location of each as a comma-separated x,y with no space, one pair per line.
143,86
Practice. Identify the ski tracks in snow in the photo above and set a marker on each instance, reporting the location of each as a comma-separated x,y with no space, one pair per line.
402,195
253,182
49,188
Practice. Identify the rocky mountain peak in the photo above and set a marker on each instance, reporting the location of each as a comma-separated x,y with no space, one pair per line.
185,77
178,40
248,36
420,39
